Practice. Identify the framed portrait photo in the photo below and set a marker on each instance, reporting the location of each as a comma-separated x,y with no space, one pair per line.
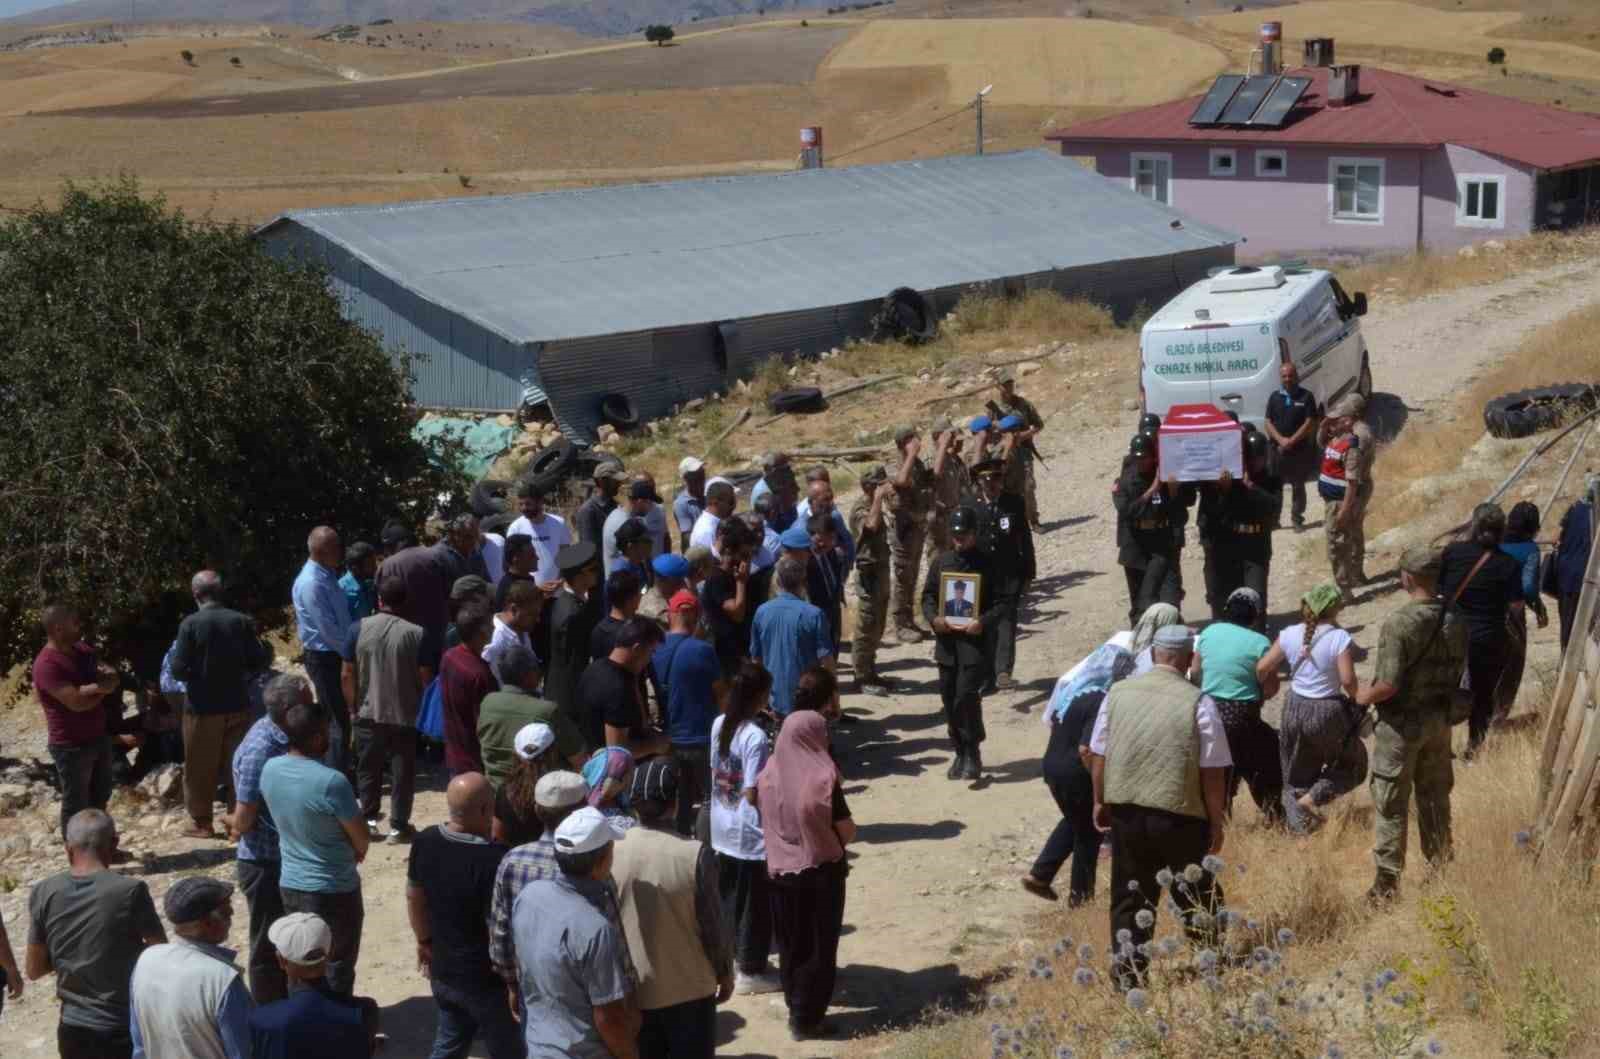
958,597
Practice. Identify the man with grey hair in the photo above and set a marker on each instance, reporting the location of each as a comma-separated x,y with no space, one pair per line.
251,825
1159,761
186,997
790,635
216,653
322,619
720,502
88,925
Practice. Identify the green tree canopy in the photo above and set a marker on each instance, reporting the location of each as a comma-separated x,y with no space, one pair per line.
173,398
658,35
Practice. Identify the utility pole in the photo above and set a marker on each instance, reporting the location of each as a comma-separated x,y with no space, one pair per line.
978,104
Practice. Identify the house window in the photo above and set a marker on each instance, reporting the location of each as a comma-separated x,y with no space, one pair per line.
1152,176
1272,163
1224,161
1480,201
1355,188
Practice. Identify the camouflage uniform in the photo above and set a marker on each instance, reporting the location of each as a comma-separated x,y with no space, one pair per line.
1347,545
1366,454
872,590
948,489
1019,473
909,521
1411,755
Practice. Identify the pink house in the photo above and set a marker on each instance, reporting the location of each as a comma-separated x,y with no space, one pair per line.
1367,162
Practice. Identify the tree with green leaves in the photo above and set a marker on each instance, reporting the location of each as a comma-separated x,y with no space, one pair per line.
658,35
174,398
1497,56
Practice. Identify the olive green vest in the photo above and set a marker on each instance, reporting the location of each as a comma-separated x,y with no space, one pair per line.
1153,744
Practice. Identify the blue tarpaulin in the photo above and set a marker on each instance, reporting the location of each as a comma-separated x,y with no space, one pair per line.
484,439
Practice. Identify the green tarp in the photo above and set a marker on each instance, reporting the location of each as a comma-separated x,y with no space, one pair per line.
484,439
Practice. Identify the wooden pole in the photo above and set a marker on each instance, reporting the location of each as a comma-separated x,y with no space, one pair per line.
1544,447
1566,470
1562,731
744,416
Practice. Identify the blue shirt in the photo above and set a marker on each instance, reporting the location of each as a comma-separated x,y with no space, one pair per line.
1526,553
362,596
232,1014
320,608
573,958
688,668
263,742
686,509
308,800
313,1023
789,637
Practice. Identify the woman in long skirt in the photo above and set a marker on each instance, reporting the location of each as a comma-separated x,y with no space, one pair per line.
1226,656
1071,716
1323,756
806,825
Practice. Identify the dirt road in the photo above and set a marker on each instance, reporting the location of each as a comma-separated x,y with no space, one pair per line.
933,885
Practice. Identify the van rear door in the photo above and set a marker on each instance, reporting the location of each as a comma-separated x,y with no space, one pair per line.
1202,362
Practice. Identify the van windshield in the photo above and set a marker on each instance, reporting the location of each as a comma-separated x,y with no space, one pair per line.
1209,353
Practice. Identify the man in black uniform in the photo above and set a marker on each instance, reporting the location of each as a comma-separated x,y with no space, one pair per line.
1151,516
1007,546
1236,520
963,652
568,626
1291,420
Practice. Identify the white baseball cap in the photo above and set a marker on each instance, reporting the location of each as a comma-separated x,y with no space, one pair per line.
691,464
301,938
589,829
533,739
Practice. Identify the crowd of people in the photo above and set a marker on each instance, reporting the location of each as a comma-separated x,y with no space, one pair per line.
643,805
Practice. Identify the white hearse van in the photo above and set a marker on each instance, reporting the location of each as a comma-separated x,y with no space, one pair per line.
1220,342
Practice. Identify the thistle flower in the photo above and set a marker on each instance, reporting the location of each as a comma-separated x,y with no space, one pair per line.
1162,1029
1285,936
1133,886
1086,952
1523,839
1260,1003
1205,960
1167,946
1435,1046
1164,878
1333,1052
1138,1000
1193,873
1064,1052
1387,977
1144,919
1124,936
1083,976
1213,863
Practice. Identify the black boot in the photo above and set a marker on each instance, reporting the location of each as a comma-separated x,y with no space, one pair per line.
958,762
1385,888
972,768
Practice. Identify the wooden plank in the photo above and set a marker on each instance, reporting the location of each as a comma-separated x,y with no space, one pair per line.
1554,779
1582,625
729,429
1574,786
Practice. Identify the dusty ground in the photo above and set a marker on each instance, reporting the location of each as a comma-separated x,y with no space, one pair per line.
933,888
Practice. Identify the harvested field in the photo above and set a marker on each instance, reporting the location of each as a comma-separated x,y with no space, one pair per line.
1038,61
778,53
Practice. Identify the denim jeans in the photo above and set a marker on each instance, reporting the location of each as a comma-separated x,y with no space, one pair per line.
468,1013
84,770
258,881
324,669
344,913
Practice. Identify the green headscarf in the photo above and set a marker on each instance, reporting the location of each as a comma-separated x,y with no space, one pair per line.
1322,599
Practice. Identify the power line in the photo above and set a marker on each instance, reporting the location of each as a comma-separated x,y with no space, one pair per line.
908,132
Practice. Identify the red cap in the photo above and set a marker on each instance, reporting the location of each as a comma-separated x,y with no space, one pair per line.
682,600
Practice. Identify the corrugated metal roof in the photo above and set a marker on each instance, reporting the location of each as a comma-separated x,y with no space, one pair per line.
1393,110
565,264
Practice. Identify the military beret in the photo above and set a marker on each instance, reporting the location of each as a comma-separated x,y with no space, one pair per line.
979,424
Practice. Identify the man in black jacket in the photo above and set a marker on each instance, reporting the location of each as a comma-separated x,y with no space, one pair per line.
1006,541
963,650
569,622
216,654
1151,516
1236,519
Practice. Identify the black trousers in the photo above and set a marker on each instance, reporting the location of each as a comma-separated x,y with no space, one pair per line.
808,916
77,1042
1486,662
258,881
84,772
694,780
746,910
1075,836
1159,581
1257,757
324,667
961,691
682,1031
394,745
1004,633
344,913
1143,841
1566,613
1226,572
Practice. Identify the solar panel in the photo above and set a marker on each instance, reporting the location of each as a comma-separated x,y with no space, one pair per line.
1216,99
1284,95
1243,106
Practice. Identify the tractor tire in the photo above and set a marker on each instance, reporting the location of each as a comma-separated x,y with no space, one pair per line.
551,465
498,523
904,314
619,410
797,399
1527,412
490,496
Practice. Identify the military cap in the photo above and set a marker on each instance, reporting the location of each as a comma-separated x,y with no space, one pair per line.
942,425
1004,376
1142,445
1421,560
874,475
979,424
572,558
963,520
1149,423
992,465
1010,423
795,537
904,434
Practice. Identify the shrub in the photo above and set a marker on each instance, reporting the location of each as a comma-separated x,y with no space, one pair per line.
187,56
234,61
466,179
658,35
1497,55
1541,1023
175,398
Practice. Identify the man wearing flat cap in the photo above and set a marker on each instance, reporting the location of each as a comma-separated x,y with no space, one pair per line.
909,503
869,524
1345,485
1420,658
1159,761
187,997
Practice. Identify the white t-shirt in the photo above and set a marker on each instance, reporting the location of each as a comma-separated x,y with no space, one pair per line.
735,823
1214,750
493,548
704,534
1318,678
550,535
504,636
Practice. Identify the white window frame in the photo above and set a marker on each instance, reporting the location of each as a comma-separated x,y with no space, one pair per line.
1231,154
1262,154
1333,193
1151,156
1466,220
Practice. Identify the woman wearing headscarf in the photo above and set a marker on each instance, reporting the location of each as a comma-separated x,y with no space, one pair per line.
1482,588
609,774
1225,659
515,821
1156,617
1071,715
1522,525
806,825
1322,756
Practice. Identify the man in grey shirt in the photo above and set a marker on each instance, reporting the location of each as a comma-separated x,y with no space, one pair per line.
88,924
572,955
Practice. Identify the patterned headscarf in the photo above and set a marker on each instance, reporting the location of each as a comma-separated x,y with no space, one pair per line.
1107,665
1322,599
1156,616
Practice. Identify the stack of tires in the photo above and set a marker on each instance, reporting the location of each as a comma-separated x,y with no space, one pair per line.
494,500
1527,412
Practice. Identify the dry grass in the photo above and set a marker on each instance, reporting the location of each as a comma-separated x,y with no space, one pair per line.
1418,275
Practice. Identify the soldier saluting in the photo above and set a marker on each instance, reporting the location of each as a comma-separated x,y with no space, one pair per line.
1006,541
1151,516
1420,658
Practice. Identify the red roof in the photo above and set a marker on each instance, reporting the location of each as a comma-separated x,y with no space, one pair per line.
1393,110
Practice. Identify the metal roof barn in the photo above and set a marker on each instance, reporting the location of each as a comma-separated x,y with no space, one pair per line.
665,292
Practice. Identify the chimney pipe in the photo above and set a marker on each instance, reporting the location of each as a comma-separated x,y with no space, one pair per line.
1344,85
1319,51
811,147
1272,48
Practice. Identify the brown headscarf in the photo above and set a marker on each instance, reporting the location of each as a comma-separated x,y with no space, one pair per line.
795,795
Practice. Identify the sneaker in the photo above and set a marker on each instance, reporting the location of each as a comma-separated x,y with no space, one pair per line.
756,984
872,687
400,835
909,634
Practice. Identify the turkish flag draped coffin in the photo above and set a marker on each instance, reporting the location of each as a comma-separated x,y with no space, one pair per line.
1198,442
